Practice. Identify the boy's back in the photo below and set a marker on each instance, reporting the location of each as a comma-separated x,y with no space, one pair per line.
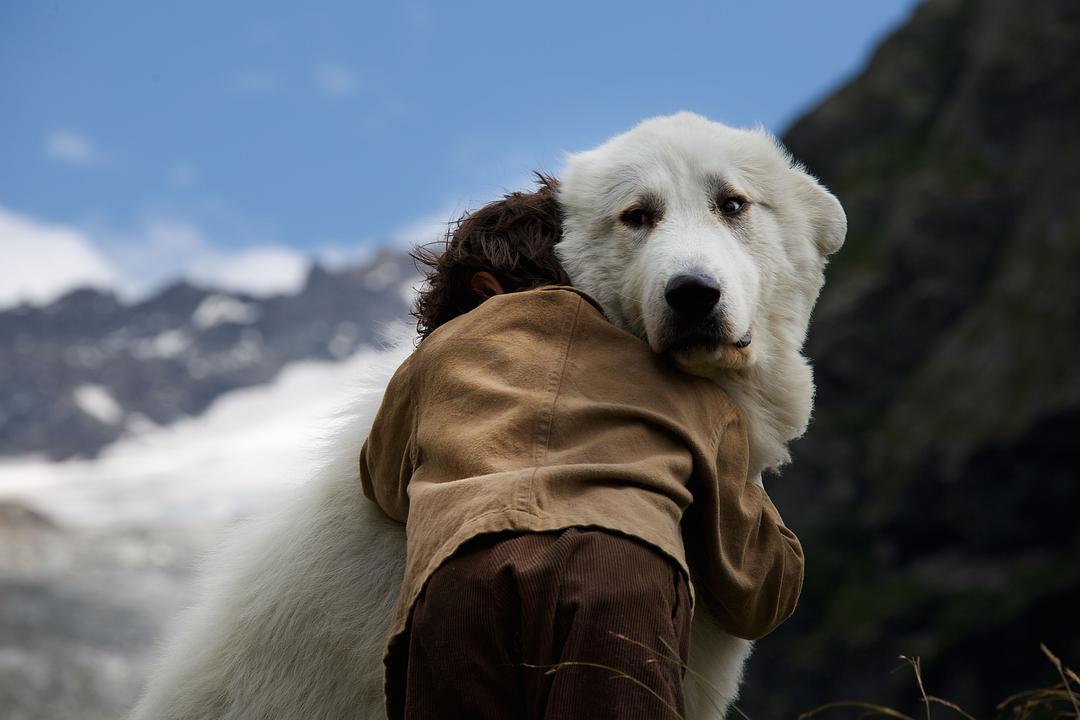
533,413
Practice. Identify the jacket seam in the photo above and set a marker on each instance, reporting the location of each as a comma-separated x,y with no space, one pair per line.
414,447
540,452
562,377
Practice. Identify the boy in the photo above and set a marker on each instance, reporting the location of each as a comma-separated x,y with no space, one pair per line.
544,461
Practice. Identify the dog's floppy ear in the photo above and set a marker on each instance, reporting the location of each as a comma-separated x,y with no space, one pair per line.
826,215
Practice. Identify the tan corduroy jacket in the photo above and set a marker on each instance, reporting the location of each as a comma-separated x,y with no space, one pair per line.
533,412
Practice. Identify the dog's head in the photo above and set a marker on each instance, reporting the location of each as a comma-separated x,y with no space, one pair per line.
708,242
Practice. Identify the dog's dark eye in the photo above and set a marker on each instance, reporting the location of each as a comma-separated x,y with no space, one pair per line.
638,218
732,205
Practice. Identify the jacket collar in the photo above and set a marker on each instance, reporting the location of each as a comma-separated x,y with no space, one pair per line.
592,301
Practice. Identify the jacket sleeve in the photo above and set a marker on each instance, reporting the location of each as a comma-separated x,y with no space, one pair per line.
749,564
388,455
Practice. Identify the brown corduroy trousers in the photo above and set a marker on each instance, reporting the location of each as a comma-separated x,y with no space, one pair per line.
496,618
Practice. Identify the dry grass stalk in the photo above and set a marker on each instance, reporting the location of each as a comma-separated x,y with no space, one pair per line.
1019,706
616,675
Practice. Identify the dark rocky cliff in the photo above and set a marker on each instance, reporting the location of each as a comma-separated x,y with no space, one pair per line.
938,491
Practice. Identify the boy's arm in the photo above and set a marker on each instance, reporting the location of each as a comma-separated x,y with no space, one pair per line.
387,458
749,563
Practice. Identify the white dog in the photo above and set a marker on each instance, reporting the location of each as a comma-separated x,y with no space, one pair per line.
708,242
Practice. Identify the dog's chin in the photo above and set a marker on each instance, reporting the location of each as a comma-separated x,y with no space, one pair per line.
706,353
694,343
707,362
702,349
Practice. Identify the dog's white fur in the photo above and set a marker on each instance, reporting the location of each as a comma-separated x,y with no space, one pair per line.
770,261
296,608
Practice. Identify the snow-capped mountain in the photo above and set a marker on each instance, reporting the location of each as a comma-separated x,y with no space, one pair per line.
97,555
80,373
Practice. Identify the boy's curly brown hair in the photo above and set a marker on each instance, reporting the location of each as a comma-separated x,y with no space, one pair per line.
513,239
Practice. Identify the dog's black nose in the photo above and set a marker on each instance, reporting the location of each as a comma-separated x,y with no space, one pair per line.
692,295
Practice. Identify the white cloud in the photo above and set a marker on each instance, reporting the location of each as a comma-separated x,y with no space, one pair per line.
40,261
43,261
172,236
163,249
262,271
156,252
67,146
337,256
334,79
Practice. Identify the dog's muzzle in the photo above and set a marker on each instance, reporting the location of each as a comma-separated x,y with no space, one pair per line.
693,298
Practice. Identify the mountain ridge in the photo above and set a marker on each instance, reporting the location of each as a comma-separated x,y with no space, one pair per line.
168,356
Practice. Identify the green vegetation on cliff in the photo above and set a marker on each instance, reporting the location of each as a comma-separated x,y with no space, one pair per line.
937,490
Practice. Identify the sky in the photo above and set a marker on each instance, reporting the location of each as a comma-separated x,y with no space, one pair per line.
230,143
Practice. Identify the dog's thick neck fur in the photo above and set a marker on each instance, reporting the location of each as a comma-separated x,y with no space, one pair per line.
776,398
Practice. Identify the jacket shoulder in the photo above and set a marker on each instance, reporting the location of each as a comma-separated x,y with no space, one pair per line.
511,311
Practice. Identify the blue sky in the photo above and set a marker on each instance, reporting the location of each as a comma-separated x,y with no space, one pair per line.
182,138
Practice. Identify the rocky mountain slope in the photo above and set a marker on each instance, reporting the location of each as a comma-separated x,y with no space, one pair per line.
83,371
937,491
